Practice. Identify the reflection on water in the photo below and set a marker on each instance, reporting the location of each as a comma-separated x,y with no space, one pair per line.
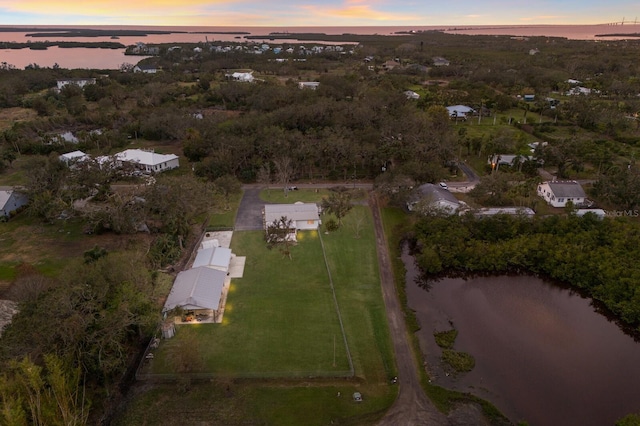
112,59
542,352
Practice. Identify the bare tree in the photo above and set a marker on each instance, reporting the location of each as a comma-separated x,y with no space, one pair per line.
358,223
284,171
264,175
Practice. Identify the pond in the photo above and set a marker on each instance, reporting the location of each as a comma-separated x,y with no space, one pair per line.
543,353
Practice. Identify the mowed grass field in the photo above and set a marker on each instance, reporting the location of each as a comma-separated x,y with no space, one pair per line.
280,319
283,320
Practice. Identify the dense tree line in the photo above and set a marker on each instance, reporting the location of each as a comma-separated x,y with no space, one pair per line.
593,255
72,339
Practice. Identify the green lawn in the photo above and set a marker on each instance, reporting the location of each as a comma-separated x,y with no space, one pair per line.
280,318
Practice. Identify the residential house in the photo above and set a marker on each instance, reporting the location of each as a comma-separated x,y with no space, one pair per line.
145,68
312,85
73,157
558,193
198,290
10,201
579,90
433,198
304,216
245,77
510,160
389,65
439,61
148,161
460,112
80,82
410,94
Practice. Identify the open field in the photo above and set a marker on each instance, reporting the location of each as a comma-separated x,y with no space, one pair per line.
8,116
26,243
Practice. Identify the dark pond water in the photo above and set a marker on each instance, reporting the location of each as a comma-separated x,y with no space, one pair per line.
543,354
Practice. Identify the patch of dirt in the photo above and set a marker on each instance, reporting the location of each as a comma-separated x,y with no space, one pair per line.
7,310
8,116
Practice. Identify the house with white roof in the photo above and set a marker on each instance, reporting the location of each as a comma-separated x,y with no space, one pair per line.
439,61
313,85
245,77
460,111
198,290
148,161
80,82
558,193
74,157
410,94
304,216
10,201
213,257
145,68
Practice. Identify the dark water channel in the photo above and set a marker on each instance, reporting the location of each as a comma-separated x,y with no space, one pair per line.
543,354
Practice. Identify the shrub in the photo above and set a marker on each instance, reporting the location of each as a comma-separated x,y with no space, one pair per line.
460,362
445,339
331,225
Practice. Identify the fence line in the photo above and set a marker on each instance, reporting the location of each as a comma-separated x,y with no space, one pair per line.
335,301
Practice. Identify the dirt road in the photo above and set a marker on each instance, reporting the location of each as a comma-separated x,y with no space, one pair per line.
412,406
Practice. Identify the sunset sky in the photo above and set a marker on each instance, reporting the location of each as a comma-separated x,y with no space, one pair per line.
313,12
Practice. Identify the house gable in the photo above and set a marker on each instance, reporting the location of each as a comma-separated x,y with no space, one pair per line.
559,193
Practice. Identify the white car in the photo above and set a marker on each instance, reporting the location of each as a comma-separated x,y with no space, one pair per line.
443,185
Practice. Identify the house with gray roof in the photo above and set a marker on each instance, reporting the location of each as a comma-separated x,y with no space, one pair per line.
430,198
304,216
10,201
197,289
558,193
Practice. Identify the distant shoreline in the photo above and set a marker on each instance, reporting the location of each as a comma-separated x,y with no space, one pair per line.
90,32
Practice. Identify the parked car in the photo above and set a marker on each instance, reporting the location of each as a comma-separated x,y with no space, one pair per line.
444,185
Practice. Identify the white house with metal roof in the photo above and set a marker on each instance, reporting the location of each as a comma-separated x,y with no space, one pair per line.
148,161
460,111
558,193
80,82
74,157
304,216
197,289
